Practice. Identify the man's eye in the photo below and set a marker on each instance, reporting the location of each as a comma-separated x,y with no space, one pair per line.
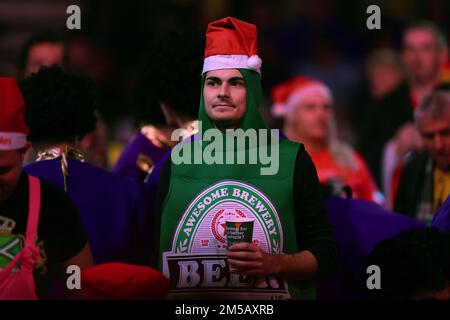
237,83
212,83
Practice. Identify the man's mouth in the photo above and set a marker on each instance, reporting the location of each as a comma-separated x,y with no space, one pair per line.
223,105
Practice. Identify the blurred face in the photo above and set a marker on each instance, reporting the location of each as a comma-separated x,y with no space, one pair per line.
422,55
10,170
383,79
44,54
311,118
436,138
224,96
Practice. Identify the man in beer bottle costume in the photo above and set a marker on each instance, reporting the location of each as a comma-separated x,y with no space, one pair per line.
292,240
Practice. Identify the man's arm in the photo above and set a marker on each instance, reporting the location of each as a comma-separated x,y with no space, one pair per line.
65,238
252,260
317,254
83,259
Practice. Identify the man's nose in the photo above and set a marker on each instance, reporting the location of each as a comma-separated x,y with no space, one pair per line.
224,90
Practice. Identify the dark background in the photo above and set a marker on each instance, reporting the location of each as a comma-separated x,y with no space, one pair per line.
322,38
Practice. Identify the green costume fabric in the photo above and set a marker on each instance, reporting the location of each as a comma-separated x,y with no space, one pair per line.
202,197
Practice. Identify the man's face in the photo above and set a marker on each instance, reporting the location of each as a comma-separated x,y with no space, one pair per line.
224,94
10,170
436,138
422,54
312,117
44,55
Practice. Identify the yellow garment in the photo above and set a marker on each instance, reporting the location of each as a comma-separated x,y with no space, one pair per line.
441,187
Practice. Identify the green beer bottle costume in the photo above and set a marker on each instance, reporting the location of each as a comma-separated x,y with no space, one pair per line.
271,207
195,198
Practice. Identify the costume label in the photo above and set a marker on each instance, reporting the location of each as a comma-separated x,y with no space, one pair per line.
197,263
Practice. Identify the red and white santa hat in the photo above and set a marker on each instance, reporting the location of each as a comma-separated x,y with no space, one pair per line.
230,44
13,130
289,94
122,281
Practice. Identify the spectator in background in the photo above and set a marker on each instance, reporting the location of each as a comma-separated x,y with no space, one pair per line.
60,112
306,105
43,49
167,98
425,180
383,73
414,265
46,49
389,132
40,231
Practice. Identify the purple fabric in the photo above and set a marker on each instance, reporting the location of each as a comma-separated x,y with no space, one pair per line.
357,226
126,165
442,216
111,208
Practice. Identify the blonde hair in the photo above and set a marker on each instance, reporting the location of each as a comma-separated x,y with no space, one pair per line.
341,152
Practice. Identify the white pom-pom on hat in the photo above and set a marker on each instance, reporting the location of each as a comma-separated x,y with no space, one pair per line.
279,109
254,62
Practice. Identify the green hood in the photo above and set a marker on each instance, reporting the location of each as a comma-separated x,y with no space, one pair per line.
252,118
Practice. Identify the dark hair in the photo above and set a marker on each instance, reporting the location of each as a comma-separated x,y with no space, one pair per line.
413,261
44,36
60,106
435,104
171,73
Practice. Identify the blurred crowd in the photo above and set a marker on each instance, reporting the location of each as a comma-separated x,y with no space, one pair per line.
363,131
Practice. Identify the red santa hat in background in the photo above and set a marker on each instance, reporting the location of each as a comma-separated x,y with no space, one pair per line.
231,44
288,95
13,130
122,281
